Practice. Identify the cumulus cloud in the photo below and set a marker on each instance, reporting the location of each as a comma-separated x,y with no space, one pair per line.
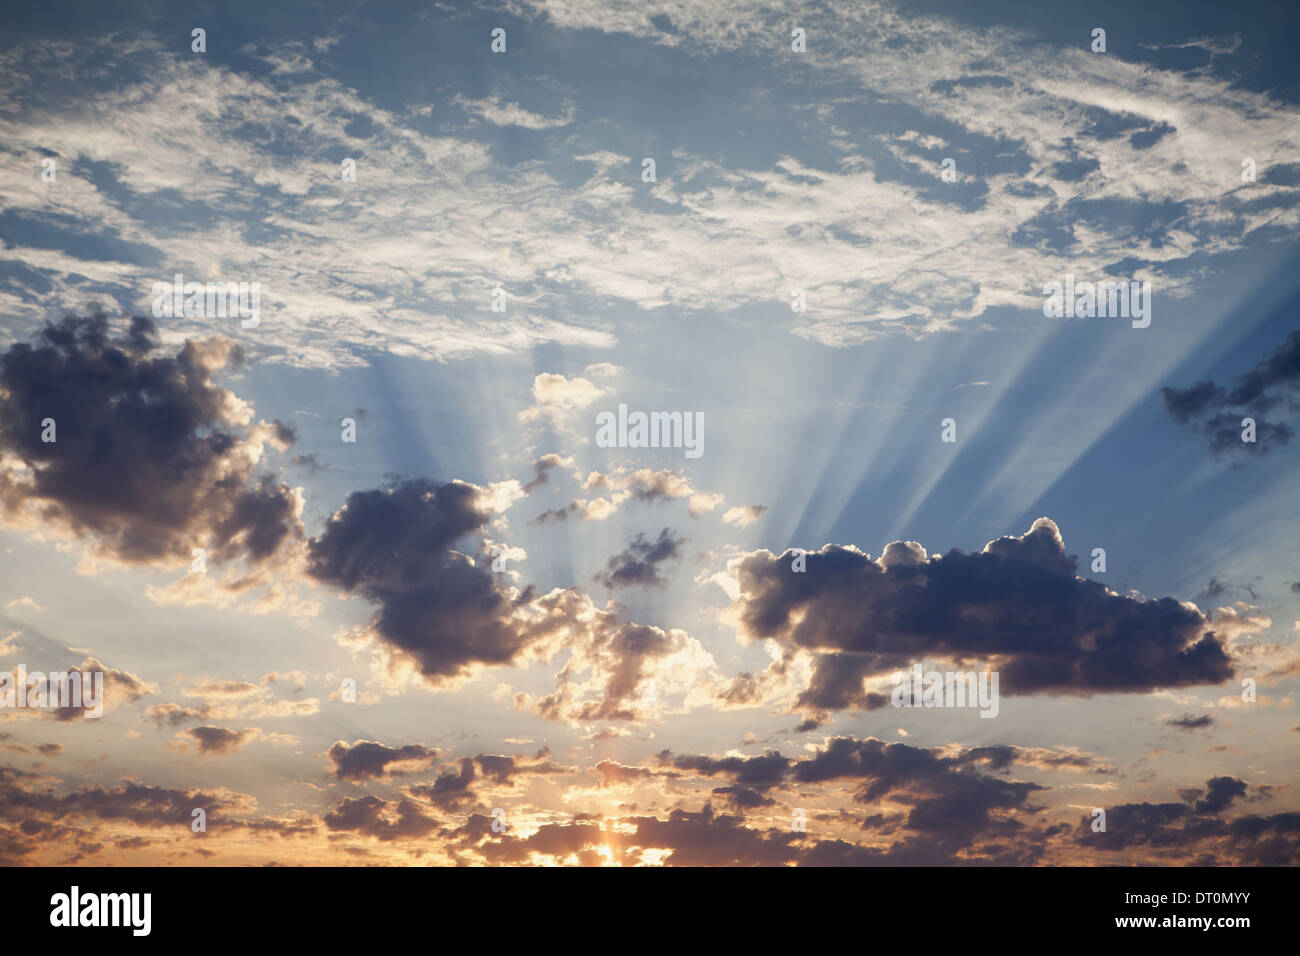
744,517
436,606
367,759
149,457
1017,604
556,397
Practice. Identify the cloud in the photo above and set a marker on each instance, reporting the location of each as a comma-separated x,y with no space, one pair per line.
556,398
744,517
643,485
1273,382
436,606
759,773
637,564
1191,722
382,819
448,616
543,467
1031,132
173,715
1194,831
148,458
619,670
220,740
120,687
449,789
492,110
1017,605
366,759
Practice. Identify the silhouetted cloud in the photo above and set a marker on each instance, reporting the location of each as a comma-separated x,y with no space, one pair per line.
637,563
1274,382
149,457
1018,600
394,547
367,759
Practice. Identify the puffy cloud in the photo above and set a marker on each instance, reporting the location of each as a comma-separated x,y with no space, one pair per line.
745,516
556,397
619,670
1017,605
367,759
150,458
436,606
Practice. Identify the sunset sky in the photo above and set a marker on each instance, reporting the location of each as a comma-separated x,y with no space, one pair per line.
613,646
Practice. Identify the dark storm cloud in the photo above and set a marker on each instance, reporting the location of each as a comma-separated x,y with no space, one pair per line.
638,563
393,546
1274,382
367,759
1018,600
149,458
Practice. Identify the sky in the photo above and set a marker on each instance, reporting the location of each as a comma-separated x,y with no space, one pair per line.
367,582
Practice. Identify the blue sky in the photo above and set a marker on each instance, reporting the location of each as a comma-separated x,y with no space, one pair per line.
775,170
